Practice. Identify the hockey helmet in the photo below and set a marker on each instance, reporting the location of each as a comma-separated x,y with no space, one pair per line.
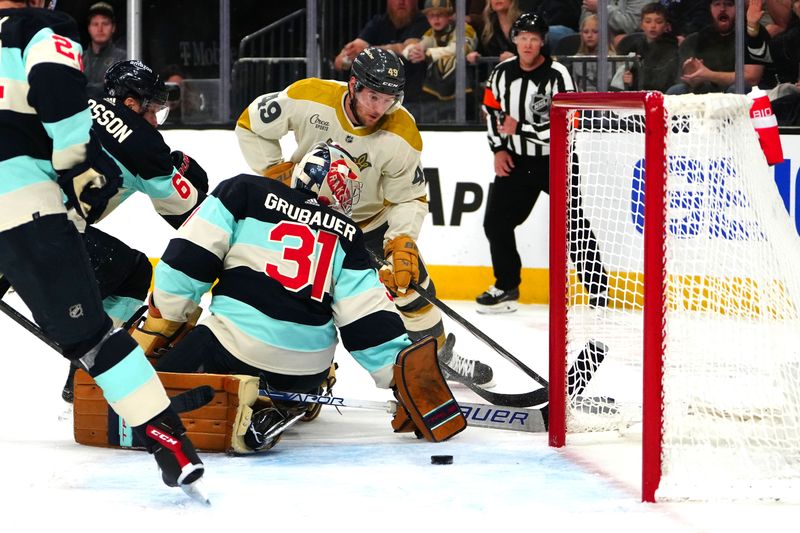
331,174
134,78
379,70
529,22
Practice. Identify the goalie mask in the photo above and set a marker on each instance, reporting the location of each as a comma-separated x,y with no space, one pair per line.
134,78
331,174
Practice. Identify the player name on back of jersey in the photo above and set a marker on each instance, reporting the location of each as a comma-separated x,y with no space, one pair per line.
315,218
106,118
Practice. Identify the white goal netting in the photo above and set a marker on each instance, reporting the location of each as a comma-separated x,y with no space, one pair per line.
731,312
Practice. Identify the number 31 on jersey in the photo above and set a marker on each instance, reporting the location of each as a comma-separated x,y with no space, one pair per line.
300,265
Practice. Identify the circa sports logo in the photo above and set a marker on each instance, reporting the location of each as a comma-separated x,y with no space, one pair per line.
318,122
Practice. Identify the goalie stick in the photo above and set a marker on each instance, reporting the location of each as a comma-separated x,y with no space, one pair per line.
477,415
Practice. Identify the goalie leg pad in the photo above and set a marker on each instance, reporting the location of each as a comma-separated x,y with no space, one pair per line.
247,393
217,426
424,394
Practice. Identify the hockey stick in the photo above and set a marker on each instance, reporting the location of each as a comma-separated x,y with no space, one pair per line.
33,328
477,415
430,297
24,321
522,399
579,374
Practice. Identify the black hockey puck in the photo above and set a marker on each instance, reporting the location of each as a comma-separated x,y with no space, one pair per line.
441,459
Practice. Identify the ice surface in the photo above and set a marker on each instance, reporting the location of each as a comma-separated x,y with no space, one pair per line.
343,472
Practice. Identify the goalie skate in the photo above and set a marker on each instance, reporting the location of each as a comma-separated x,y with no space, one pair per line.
462,369
267,427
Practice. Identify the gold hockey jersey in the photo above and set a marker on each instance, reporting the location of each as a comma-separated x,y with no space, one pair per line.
388,153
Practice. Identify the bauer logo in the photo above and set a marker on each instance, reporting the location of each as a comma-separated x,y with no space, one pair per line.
498,415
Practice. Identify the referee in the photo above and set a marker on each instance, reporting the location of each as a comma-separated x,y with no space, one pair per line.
517,102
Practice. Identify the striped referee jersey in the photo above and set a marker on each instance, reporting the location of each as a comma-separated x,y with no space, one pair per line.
526,96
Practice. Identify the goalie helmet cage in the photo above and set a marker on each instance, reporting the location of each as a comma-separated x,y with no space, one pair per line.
700,326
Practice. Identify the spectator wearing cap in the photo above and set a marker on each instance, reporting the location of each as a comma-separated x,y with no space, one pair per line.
437,48
101,52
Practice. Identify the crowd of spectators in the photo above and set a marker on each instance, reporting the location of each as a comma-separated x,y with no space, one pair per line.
676,46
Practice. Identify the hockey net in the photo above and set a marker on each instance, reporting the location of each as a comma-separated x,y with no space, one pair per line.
693,296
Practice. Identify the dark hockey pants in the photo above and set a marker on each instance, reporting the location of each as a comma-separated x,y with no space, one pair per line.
200,351
46,263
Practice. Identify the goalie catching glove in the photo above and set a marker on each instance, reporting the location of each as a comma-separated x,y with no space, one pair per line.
91,184
281,172
156,333
403,257
425,403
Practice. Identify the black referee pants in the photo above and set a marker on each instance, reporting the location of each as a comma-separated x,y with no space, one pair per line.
511,200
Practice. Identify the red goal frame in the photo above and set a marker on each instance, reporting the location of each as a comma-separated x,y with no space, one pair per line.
652,105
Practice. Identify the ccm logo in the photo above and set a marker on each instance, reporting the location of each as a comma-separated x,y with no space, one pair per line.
166,439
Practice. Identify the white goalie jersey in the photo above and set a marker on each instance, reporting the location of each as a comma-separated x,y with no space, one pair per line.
388,154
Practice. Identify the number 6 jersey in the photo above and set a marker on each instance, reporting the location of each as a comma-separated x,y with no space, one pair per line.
144,159
290,273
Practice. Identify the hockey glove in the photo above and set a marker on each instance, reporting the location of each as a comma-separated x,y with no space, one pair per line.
156,333
281,172
91,184
403,257
191,170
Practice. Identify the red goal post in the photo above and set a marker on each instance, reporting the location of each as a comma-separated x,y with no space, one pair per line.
652,104
692,296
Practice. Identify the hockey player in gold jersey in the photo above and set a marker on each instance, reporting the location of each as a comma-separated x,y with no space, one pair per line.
365,115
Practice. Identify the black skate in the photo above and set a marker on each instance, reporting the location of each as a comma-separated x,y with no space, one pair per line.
496,300
268,424
462,369
165,438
